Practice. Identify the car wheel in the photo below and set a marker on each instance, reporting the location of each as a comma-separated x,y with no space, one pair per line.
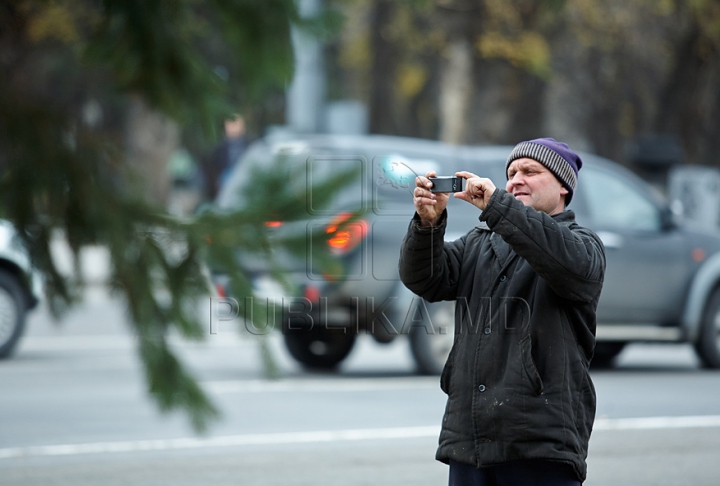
319,348
605,354
708,344
430,345
12,313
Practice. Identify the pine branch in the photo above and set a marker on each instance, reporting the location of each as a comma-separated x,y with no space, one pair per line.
64,172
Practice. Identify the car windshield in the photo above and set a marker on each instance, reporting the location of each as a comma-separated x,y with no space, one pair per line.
381,178
363,178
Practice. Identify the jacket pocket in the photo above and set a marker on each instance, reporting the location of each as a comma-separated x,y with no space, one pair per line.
447,371
531,371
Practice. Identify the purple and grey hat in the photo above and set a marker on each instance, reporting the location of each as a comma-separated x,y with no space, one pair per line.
556,156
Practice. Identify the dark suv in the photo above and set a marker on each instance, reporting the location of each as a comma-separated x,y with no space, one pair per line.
661,284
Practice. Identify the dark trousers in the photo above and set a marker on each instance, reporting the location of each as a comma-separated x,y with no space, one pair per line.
516,473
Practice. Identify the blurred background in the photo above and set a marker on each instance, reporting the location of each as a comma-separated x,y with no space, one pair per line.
121,122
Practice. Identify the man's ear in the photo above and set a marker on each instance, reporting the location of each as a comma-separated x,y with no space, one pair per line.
564,192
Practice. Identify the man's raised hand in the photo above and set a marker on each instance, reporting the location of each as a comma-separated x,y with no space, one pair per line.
428,205
478,190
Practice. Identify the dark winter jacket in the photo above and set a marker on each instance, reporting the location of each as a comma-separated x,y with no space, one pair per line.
526,291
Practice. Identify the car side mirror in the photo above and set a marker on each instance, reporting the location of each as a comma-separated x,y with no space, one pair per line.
667,219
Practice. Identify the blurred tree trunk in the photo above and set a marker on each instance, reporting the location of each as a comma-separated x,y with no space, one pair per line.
462,22
684,108
681,83
712,145
382,70
528,107
604,98
151,139
456,89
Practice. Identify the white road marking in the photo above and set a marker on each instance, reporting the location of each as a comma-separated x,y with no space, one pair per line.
328,436
647,423
226,441
122,342
335,385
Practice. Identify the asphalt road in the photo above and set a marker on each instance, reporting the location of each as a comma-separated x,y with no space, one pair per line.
74,411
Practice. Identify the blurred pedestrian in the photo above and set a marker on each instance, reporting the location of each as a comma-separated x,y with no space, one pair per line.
188,183
226,155
521,403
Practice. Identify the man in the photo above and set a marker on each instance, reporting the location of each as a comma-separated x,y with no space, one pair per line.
225,155
521,404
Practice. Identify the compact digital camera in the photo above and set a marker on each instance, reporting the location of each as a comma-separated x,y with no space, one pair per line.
446,184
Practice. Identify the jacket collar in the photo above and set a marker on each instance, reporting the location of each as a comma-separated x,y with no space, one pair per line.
567,216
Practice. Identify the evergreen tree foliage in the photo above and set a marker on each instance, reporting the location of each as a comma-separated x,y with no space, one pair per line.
64,170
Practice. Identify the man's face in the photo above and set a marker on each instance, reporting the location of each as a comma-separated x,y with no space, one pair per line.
234,127
533,184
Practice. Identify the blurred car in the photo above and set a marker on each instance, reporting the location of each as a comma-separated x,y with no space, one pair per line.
19,289
662,282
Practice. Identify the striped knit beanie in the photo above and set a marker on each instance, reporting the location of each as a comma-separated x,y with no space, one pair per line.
556,156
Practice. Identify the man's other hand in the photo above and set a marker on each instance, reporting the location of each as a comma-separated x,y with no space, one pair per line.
428,205
478,190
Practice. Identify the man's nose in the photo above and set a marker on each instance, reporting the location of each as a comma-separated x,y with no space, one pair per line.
515,180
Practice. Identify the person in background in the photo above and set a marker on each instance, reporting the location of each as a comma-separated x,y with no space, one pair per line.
225,155
521,403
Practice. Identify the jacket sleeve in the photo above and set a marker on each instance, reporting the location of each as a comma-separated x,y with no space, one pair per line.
429,266
570,258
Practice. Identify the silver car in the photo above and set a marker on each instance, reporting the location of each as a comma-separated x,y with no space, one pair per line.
19,288
662,281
